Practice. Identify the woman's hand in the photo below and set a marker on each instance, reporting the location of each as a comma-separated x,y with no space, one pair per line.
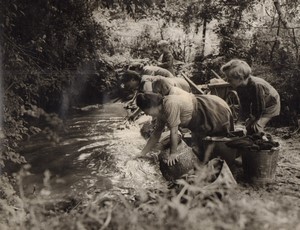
140,156
131,117
250,120
172,159
250,125
156,62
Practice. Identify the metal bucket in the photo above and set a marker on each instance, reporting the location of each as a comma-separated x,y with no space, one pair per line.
260,166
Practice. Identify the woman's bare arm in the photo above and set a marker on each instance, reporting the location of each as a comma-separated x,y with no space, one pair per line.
153,139
174,144
174,139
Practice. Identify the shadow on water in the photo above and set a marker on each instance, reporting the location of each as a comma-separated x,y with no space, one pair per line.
92,155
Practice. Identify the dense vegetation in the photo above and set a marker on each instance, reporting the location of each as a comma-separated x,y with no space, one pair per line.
58,54
50,61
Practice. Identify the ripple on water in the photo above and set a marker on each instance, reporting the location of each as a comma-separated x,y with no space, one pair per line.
94,145
134,173
97,149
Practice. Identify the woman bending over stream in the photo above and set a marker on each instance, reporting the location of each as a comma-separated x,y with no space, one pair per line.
204,115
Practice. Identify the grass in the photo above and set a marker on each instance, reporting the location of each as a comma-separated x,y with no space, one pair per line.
190,204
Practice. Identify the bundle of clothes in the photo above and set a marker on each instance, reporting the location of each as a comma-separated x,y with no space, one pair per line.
255,142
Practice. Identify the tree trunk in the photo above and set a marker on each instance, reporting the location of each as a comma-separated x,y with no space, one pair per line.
296,44
281,18
204,36
276,43
286,26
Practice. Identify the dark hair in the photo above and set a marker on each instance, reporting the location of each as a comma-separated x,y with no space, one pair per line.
129,75
136,67
148,100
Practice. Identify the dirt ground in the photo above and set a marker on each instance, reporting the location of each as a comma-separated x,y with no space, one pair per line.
281,199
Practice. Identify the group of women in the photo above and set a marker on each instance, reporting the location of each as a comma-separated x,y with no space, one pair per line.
168,99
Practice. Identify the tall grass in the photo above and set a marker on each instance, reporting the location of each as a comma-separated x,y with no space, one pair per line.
191,203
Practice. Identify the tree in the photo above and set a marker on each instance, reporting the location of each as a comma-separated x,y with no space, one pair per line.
45,44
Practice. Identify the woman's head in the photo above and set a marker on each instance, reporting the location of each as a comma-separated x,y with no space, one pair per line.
161,86
163,45
137,67
150,103
131,80
237,71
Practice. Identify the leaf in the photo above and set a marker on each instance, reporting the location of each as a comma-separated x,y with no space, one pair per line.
15,6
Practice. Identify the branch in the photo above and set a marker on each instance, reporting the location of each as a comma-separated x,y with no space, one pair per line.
281,17
276,41
267,27
295,43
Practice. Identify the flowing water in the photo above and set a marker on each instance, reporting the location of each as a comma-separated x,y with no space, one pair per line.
95,153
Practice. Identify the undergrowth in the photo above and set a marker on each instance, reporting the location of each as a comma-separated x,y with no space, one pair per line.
191,203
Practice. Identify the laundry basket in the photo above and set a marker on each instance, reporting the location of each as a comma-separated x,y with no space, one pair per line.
186,161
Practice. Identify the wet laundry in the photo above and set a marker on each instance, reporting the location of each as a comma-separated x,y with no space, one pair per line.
255,142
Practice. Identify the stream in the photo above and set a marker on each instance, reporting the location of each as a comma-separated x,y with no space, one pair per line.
94,154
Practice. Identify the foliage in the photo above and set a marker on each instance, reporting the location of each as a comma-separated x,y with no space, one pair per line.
191,204
44,46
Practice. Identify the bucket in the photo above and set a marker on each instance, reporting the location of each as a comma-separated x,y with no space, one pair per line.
260,166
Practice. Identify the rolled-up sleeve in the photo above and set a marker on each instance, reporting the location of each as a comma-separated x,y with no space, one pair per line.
172,113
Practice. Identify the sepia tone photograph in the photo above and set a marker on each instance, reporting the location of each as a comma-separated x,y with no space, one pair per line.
150,114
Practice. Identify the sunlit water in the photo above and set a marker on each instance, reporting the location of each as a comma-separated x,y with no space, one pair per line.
94,154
